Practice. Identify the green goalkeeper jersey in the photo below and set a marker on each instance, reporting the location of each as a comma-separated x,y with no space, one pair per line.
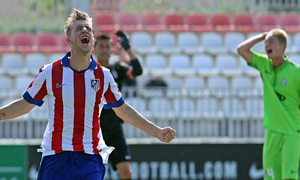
281,94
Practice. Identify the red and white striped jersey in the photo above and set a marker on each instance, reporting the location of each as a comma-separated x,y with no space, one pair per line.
75,101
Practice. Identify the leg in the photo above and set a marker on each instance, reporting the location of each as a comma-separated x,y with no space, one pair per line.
95,175
272,156
124,170
120,157
290,157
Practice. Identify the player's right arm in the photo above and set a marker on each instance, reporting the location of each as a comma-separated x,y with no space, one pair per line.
15,109
244,48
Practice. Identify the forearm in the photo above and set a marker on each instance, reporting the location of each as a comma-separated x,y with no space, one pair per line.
131,54
131,116
249,43
15,109
244,49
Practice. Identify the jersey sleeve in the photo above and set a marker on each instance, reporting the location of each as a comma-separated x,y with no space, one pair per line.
37,90
132,70
258,60
136,69
112,96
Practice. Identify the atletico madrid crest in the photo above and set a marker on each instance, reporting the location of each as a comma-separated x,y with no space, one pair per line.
95,84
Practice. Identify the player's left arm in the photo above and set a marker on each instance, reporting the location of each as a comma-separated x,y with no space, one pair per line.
131,116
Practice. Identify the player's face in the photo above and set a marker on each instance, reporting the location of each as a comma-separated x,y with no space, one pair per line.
82,37
103,50
273,47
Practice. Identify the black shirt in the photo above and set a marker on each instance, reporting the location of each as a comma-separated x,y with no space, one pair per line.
120,72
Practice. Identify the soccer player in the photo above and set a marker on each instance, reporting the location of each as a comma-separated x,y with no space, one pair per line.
76,88
281,79
110,123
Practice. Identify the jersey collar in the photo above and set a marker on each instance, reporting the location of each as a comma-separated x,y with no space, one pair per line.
65,61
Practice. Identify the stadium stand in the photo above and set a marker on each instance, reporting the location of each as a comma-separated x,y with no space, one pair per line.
142,42
160,108
289,22
244,23
166,42
174,86
156,65
48,43
5,88
296,39
190,51
221,23
13,64
5,44
228,65
266,21
231,40
218,86
24,42
247,70
105,23
198,23
180,65
204,65
129,22
34,61
152,22
242,86
188,42
175,23
193,89
212,42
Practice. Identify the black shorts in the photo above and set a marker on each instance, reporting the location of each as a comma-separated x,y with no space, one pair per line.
115,137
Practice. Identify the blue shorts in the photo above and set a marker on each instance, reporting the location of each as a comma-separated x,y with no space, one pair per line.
70,165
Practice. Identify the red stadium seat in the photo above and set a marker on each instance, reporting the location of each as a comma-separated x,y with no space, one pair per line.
105,23
151,22
129,22
63,43
47,43
198,23
175,23
266,21
244,23
24,43
221,23
289,22
5,46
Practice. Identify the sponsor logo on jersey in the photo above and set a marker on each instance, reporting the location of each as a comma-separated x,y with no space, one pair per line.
59,85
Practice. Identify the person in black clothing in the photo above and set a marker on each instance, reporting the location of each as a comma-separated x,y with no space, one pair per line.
110,123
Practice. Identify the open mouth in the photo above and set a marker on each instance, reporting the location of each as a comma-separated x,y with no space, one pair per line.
85,40
269,51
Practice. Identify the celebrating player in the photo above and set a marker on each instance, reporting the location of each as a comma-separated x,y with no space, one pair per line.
77,88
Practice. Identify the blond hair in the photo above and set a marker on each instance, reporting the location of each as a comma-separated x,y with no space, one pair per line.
280,35
74,16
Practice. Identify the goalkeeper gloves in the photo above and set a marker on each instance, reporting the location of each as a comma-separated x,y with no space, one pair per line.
123,40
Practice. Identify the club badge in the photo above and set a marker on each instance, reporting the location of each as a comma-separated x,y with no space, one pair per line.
95,84
283,82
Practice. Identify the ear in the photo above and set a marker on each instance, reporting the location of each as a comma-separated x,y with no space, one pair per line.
68,40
